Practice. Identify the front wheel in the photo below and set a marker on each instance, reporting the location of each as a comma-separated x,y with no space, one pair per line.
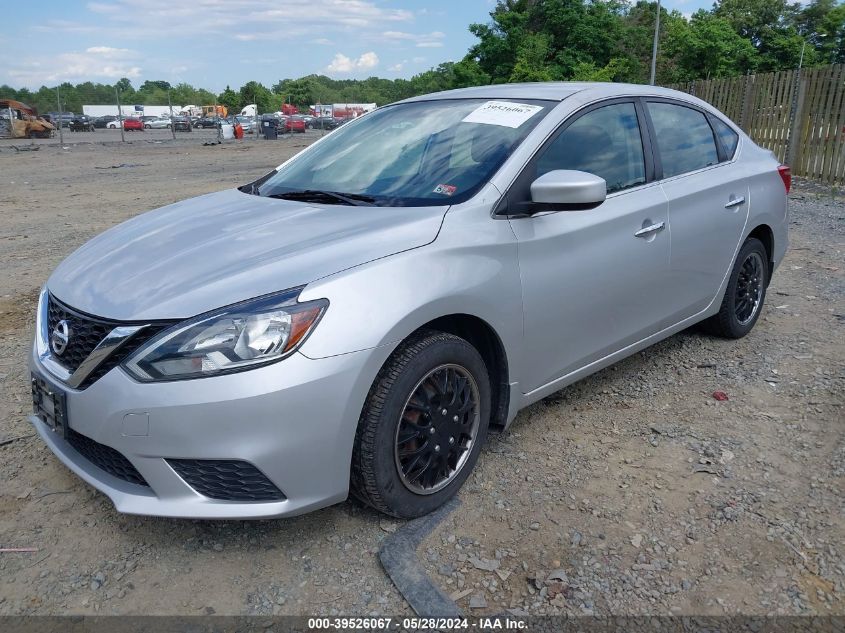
745,294
422,427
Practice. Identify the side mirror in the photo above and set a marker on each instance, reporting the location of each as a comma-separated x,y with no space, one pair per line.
567,190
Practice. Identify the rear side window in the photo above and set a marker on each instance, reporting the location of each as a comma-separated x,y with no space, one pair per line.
727,137
684,138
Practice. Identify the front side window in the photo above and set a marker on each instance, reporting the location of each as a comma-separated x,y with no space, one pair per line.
684,138
727,137
605,142
421,153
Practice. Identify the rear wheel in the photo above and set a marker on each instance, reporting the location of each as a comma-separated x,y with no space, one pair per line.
745,294
422,427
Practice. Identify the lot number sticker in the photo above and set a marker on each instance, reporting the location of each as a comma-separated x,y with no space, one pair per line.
502,113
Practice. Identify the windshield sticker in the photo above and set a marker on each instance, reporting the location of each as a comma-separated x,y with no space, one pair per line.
446,190
502,113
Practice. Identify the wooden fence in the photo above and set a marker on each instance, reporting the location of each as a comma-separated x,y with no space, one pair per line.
799,115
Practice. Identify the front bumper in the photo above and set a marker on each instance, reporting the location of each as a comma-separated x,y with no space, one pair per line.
293,420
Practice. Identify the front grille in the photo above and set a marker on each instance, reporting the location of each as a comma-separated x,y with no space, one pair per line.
86,332
105,458
123,352
226,480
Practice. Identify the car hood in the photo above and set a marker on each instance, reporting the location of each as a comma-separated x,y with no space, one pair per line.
221,248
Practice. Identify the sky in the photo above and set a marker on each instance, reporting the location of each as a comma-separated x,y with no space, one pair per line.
215,43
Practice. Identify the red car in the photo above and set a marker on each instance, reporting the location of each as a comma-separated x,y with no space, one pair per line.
133,124
295,124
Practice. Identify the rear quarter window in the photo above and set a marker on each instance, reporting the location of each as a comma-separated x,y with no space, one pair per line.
727,137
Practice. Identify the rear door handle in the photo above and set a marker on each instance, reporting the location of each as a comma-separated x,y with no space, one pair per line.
735,202
648,230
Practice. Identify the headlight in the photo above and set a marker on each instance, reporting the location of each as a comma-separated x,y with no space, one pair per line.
238,337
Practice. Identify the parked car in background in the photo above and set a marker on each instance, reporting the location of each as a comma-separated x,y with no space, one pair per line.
133,124
115,124
325,123
182,124
295,124
246,122
158,123
309,119
147,118
64,118
358,318
103,121
81,123
206,122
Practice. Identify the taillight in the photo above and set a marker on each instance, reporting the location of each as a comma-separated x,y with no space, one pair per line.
786,176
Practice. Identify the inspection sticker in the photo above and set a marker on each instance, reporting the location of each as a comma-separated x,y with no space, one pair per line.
502,113
446,190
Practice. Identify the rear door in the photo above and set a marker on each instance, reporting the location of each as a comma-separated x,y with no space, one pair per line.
708,201
593,281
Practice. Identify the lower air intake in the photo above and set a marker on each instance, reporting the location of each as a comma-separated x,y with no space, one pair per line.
226,480
105,458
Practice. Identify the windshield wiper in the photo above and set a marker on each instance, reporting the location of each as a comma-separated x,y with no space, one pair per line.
328,197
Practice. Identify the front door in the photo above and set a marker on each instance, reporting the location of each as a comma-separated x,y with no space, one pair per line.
593,281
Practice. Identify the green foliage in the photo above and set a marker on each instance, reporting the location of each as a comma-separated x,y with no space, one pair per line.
709,47
255,92
541,40
228,98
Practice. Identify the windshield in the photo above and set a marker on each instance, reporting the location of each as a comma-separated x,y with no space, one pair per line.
421,153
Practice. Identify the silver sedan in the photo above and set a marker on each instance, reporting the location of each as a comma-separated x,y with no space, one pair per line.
157,124
358,319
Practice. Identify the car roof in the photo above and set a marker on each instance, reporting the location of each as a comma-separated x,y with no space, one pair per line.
551,90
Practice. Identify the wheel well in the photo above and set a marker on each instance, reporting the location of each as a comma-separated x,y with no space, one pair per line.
483,338
767,237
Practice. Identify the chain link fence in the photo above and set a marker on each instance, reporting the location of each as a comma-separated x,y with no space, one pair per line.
91,118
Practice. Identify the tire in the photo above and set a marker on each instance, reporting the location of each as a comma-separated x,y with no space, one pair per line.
385,478
147,127
746,291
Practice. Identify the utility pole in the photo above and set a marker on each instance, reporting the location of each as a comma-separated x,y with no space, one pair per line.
217,122
170,105
59,104
119,114
654,46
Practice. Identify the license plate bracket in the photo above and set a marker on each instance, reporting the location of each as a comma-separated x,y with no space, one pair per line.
49,405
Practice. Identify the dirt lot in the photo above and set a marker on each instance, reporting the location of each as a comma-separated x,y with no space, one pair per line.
632,492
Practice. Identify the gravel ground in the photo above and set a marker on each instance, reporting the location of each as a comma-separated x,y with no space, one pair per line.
631,492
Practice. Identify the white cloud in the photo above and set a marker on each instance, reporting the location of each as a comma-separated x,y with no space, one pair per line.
343,64
396,68
340,64
421,40
367,60
108,51
95,62
244,20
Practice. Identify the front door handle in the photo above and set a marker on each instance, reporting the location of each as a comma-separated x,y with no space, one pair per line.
735,202
648,230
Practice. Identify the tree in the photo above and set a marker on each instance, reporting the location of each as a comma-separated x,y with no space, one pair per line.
711,48
255,92
532,59
230,99
150,86
753,19
124,86
822,23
